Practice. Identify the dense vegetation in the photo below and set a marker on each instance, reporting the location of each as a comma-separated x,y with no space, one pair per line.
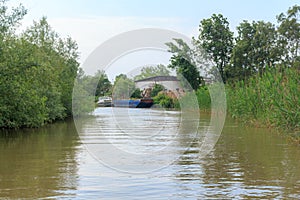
150,71
260,66
37,71
273,98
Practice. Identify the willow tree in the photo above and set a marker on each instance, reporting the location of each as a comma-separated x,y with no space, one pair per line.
184,62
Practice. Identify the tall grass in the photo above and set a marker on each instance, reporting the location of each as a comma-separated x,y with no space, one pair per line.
190,100
272,98
203,98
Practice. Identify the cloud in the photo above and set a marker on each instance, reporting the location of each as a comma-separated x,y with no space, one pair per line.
89,32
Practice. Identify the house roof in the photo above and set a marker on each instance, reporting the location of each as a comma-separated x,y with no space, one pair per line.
158,78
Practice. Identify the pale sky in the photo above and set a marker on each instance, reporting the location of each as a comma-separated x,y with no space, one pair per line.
91,22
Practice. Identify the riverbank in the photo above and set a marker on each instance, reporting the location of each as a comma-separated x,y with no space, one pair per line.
268,100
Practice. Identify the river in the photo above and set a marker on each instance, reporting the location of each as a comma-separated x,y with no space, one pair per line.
95,160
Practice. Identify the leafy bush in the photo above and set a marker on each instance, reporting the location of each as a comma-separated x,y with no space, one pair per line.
37,77
136,94
156,89
165,101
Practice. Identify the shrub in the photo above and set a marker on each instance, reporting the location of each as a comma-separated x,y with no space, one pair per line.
156,89
165,101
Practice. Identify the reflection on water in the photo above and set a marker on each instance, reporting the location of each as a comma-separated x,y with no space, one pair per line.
137,140
38,163
246,163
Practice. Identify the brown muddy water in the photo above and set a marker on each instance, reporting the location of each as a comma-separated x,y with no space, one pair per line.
87,161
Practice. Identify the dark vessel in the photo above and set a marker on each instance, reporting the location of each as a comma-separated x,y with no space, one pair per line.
133,103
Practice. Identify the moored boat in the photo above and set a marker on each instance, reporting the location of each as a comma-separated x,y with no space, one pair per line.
133,103
105,101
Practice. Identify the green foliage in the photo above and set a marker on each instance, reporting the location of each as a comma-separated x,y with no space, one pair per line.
83,102
96,85
216,38
187,70
272,98
255,48
181,48
104,86
165,101
87,90
156,89
146,72
123,87
203,98
137,94
38,69
289,31
37,72
261,68
184,62
10,19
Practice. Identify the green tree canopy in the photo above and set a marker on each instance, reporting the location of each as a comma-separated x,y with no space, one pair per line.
37,72
256,47
96,85
216,38
157,89
289,31
10,18
123,87
186,70
150,71
183,62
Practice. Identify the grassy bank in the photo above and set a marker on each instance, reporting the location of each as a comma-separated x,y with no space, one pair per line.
272,99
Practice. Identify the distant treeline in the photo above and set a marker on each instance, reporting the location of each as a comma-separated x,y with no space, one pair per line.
259,65
37,71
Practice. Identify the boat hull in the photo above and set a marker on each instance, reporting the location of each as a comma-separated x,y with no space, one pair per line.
104,102
136,103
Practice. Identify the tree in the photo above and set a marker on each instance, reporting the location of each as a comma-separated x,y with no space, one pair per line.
37,71
289,31
256,47
10,19
183,62
21,103
157,89
82,101
186,70
60,54
96,85
182,49
137,94
104,86
150,71
216,38
123,87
